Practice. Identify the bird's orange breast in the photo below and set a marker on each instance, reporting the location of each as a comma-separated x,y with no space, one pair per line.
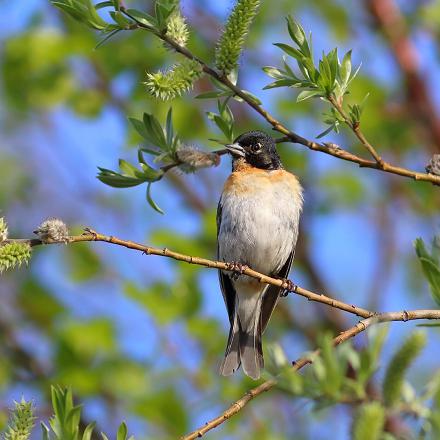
248,180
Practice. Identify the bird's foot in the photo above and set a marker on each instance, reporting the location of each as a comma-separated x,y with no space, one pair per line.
288,287
237,269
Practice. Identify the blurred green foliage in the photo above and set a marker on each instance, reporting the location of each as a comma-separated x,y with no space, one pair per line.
50,67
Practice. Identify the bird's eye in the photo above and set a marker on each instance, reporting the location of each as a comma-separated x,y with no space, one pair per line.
256,148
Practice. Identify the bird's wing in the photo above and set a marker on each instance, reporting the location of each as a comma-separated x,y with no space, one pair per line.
226,285
272,293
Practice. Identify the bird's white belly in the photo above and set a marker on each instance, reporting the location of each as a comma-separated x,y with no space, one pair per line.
259,228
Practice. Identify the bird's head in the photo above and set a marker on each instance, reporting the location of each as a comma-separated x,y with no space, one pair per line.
256,149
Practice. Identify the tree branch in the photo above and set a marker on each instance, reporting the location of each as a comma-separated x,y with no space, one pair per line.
285,284
356,130
360,327
328,148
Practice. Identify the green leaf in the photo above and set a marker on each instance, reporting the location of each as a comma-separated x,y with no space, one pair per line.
45,432
117,180
295,53
169,127
106,4
128,169
151,201
250,96
296,32
214,94
87,435
122,432
282,83
307,94
155,131
326,131
140,128
431,268
120,19
142,17
345,70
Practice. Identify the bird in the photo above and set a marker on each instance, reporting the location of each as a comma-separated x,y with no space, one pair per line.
257,226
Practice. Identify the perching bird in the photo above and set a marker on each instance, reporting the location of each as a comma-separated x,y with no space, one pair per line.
257,226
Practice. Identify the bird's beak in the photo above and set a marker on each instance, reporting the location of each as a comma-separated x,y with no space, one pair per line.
235,150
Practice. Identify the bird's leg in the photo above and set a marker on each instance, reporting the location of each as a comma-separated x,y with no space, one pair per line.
237,269
288,287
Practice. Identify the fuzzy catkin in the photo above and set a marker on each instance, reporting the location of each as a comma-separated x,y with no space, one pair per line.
177,29
52,230
231,42
368,422
3,229
399,365
21,422
191,159
172,83
14,254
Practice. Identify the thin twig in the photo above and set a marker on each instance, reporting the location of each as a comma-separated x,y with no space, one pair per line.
356,130
302,362
328,148
285,284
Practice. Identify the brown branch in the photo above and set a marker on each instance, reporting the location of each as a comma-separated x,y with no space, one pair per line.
356,130
302,362
328,148
285,284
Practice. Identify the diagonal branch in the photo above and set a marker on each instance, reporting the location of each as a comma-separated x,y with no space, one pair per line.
328,148
356,130
285,284
360,327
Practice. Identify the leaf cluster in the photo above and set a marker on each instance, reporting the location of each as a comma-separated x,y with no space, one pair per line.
162,144
328,80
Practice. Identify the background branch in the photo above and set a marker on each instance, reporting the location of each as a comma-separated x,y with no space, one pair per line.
360,327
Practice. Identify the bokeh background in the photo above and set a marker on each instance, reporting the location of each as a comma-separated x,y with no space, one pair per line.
140,338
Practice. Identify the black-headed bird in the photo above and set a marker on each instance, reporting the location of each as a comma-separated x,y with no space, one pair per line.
257,226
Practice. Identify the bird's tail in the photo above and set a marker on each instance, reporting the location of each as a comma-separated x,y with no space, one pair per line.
244,342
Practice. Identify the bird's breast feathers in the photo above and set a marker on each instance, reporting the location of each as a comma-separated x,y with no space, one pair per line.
260,212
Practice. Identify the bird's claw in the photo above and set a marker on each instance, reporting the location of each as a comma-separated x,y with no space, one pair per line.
91,232
288,287
237,269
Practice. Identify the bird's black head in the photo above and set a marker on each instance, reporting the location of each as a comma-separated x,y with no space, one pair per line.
257,149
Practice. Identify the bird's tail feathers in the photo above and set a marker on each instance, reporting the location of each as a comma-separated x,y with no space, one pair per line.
251,352
231,362
244,343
